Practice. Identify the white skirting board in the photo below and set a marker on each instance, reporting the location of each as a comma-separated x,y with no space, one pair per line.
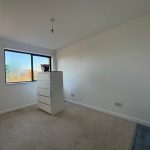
16,108
132,119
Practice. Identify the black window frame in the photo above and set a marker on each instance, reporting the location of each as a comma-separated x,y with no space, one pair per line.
32,71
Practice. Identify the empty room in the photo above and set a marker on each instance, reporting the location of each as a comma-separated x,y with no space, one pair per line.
74,75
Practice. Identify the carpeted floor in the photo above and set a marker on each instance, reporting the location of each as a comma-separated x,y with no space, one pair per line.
76,128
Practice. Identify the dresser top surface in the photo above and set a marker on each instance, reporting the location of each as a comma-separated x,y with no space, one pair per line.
48,72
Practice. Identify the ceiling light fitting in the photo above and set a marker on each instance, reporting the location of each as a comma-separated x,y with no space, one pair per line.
52,25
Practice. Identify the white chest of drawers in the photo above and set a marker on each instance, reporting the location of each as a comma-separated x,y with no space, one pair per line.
50,91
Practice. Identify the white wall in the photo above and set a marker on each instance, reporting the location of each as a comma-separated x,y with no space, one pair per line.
112,66
17,95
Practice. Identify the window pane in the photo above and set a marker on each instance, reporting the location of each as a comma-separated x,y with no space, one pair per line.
37,61
18,67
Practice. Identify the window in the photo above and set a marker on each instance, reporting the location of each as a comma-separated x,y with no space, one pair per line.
18,67
23,67
37,61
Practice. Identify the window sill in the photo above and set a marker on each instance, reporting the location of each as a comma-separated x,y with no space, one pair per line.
13,83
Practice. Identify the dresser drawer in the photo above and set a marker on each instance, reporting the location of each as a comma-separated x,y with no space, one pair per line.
43,77
43,84
44,107
44,92
45,100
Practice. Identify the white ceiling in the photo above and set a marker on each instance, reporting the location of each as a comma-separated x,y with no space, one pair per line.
28,21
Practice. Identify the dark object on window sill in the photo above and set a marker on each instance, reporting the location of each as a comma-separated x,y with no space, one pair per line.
45,67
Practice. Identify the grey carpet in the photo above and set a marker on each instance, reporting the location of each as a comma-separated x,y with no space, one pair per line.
142,138
76,128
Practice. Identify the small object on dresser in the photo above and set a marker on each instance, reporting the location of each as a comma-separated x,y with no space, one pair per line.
45,67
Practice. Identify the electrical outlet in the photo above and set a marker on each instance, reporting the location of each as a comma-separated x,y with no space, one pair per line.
72,95
118,104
